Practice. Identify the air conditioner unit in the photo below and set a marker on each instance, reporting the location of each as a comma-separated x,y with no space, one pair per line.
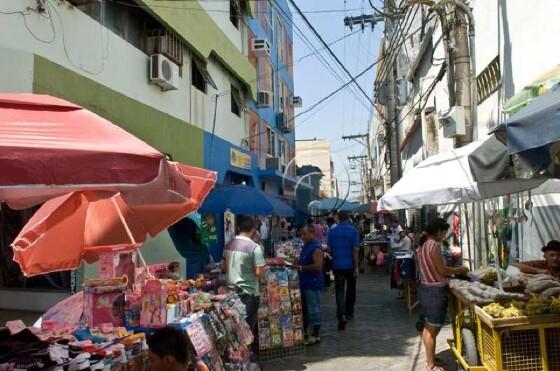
273,163
261,47
163,72
263,98
282,123
296,101
453,122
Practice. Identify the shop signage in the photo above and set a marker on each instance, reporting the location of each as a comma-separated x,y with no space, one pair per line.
239,159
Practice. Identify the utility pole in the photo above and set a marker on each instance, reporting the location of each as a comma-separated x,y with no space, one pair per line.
364,139
391,116
363,160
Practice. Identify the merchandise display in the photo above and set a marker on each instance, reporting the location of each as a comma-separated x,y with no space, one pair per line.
105,326
289,250
280,318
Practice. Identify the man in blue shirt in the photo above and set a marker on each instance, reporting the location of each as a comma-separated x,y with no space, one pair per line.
344,243
310,269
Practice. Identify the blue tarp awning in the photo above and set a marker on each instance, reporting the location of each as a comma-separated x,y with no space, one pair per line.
332,204
536,125
245,200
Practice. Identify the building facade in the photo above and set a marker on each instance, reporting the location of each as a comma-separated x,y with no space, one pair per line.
512,52
317,152
271,116
178,77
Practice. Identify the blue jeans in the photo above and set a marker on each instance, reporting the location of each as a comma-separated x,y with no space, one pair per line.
311,302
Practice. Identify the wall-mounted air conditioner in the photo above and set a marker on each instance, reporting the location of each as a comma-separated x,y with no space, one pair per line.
296,101
164,72
263,99
282,123
274,163
453,122
261,47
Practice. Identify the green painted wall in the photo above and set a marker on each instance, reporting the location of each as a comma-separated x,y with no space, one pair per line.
201,33
164,132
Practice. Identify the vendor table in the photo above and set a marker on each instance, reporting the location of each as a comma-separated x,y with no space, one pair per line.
524,344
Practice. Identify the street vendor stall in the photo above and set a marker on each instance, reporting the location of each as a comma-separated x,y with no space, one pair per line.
103,192
501,321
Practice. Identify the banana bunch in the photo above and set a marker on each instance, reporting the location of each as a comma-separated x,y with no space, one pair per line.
555,305
513,312
494,310
537,305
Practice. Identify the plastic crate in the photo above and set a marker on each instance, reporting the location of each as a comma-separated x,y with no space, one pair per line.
519,347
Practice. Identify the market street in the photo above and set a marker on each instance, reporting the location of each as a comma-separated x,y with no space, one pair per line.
381,337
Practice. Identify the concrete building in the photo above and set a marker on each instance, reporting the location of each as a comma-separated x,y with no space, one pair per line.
317,152
512,50
177,77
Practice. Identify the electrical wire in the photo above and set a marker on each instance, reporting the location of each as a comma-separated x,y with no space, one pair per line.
310,45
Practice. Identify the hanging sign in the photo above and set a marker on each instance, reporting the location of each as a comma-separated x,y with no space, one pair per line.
239,159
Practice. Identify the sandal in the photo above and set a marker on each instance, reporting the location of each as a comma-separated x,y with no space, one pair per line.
435,368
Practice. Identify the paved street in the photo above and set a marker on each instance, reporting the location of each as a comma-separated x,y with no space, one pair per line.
381,337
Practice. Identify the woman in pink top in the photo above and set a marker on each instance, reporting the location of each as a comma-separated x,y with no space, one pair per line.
434,292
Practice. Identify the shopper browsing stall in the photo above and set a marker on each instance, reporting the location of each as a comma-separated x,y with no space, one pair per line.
549,265
244,265
310,270
434,292
344,243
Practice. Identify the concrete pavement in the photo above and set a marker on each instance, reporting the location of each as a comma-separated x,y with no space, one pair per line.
381,337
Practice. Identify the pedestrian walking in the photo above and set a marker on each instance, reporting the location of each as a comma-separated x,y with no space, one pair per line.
344,243
434,292
244,265
310,269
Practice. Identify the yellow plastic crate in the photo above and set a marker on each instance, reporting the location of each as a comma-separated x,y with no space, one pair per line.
531,344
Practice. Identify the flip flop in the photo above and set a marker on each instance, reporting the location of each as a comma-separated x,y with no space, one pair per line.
435,368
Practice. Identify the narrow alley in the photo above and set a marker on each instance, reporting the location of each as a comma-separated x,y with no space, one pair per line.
382,335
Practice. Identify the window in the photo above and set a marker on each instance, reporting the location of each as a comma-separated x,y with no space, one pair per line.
234,12
236,101
489,80
271,141
200,76
283,151
271,77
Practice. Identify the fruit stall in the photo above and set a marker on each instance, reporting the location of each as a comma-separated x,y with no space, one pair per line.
513,329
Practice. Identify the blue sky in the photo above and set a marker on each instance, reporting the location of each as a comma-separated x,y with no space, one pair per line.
347,112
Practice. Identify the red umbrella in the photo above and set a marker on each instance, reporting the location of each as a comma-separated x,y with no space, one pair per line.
129,192
49,147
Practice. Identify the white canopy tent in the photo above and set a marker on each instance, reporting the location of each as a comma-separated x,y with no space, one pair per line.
446,178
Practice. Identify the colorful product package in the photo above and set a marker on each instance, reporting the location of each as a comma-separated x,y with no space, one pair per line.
297,321
298,336
104,305
154,304
287,338
276,337
132,310
264,339
286,322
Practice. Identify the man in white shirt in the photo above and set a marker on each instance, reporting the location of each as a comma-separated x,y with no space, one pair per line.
394,236
405,243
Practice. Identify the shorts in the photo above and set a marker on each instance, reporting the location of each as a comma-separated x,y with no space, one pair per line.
434,302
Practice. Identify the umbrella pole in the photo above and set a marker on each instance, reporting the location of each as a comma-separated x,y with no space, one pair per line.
468,236
130,236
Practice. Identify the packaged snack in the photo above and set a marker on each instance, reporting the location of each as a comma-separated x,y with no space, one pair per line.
298,337
276,337
297,321
286,322
286,308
